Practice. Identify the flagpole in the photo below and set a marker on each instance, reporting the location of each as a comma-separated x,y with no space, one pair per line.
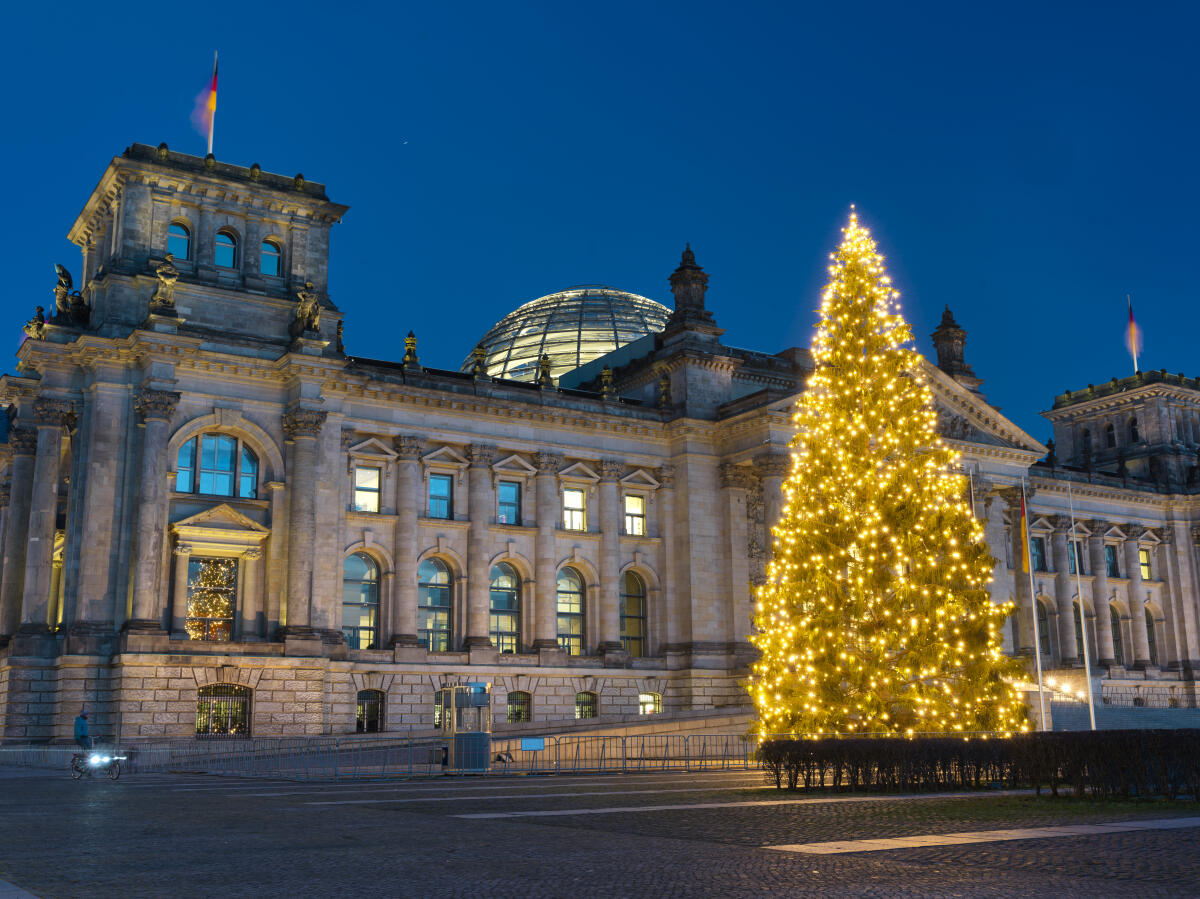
1037,638
1087,662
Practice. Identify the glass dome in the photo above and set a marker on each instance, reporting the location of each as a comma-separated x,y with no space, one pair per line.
572,327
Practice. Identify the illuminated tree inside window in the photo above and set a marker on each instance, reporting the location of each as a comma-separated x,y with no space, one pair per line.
212,589
875,616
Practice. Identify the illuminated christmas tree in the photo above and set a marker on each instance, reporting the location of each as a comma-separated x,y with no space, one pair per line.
875,616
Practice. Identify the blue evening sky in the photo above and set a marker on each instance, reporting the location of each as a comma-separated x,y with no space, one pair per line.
1027,163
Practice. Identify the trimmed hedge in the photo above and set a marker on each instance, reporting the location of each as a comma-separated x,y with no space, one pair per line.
1104,764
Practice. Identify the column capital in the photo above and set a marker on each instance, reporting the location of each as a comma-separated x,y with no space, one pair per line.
1134,531
665,475
183,549
481,455
736,476
252,554
547,463
611,469
22,440
303,422
773,465
5,495
155,404
408,446
1098,527
1165,535
348,436
56,413
1061,523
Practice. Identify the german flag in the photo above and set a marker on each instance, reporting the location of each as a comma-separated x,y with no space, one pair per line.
212,102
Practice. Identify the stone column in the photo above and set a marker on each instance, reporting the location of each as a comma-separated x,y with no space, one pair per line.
773,467
1171,653
408,510
609,605
1064,592
736,482
156,407
479,508
252,595
183,555
275,560
1137,597
54,609
52,417
545,483
16,533
1104,636
671,630
303,428
1020,576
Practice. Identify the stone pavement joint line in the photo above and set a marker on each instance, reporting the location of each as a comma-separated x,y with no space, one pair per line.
748,804
984,836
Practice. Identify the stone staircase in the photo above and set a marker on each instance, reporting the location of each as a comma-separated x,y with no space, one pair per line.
1074,716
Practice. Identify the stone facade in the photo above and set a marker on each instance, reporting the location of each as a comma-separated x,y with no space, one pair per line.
192,460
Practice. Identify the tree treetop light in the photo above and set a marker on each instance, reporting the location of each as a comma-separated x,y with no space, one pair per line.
876,616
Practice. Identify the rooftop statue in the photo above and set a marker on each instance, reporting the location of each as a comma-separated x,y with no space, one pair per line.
308,313
163,299
35,328
69,305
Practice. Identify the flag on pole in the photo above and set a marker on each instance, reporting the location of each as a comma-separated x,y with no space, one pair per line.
1133,335
1024,536
205,112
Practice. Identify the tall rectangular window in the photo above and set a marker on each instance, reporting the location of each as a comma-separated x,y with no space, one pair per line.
1037,553
1110,561
211,592
1075,558
367,483
1144,564
508,502
635,515
574,510
441,496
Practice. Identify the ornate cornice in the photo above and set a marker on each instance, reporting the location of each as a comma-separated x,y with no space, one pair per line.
547,463
408,447
303,422
155,404
22,440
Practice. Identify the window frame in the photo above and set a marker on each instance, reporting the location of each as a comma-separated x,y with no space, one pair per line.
449,498
1045,644
628,642
507,642
524,707
1145,564
649,703
377,491
575,644
635,522
277,255
501,515
186,238
231,591
574,519
358,629
235,245
362,702
426,636
587,705
1112,561
1037,553
238,705
1151,637
1075,558
1114,618
237,474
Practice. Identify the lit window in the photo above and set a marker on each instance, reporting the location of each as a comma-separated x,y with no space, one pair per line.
649,703
570,595
366,488
574,510
441,496
271,258
633,615
225,251
223,710
520,707
439,705
179,241
433,605
635,515
220,464
1110,561
369,712
586,705
360,601
211,592
505,608
1144,564
508,502
1037,552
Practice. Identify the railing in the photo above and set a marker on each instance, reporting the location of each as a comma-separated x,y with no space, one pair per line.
380,758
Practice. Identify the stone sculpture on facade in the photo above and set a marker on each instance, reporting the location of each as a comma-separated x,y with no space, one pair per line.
69,305
163,300
35,328
308,313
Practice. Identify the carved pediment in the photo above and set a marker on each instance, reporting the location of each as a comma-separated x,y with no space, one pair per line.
221,518
579,472
514,464
640,478
373,448
964,415
446,455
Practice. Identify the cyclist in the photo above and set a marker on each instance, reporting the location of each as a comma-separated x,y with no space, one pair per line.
81,730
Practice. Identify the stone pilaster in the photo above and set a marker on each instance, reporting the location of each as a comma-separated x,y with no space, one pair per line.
545,485
156,408
1137,596
1064,593
479,507
1104,635
53,416
408,509
23,442
674,622
183,555
772,468
252,596
609,631
303,428
736,483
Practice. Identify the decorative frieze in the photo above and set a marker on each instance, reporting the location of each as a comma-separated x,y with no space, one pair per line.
155,404
303,423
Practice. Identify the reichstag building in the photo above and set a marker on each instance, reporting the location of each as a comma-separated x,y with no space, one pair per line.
216,520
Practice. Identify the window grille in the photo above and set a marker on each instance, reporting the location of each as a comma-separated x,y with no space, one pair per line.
520,707
369,712
223,710
586,705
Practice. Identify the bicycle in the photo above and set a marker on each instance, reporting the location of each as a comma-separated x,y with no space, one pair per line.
96,759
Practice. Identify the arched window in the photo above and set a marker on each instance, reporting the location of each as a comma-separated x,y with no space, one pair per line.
506,608
271,257
1151,638
570,612
586,705
179,241
633,615
1087,440
649,703
433,605
223,710
1133,431
225,250
1043,629
1118,643
369,712
211,595
1110,436
520,706
360,601
1078,633
218,465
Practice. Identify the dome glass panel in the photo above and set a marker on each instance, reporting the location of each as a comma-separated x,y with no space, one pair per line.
572,327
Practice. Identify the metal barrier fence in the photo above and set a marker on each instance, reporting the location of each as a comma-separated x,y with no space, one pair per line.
379,758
